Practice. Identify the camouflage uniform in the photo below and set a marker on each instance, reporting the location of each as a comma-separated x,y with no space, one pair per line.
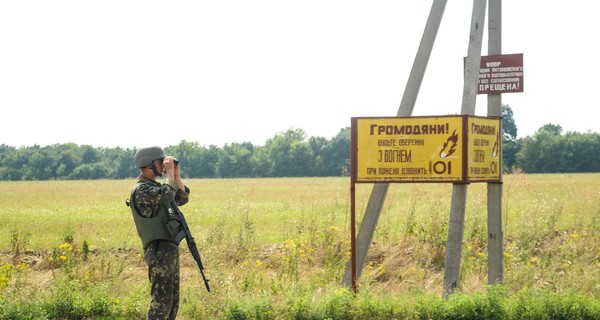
161,256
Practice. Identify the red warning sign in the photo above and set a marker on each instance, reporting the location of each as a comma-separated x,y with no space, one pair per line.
501,74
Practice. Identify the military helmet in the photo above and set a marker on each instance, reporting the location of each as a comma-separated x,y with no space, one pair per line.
145,156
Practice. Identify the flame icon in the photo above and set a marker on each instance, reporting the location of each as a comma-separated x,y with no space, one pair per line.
449,146
496,148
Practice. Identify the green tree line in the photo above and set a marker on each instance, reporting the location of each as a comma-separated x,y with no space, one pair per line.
548,150
289,154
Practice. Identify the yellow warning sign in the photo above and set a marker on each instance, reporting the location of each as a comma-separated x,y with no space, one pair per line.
424,149
485,136
409,149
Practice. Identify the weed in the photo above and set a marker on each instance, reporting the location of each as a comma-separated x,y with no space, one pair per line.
19,242
6,274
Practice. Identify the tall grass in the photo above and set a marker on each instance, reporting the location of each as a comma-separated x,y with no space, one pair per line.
277,249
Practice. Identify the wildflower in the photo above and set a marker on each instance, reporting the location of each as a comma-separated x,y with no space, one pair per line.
66,246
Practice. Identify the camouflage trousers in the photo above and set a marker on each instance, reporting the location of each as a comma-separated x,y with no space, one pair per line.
162,259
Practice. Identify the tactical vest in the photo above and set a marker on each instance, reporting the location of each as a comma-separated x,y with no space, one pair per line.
163,226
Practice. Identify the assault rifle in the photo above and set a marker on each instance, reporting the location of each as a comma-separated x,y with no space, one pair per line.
190,242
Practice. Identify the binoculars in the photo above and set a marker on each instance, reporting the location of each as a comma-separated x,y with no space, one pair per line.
175,161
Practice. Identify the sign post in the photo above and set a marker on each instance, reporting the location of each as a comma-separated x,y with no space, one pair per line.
411,91
494,190
480,155
453,149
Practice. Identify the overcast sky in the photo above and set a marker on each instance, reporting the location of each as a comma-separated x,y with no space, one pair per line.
132,73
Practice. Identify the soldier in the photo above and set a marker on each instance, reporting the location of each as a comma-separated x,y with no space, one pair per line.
158,226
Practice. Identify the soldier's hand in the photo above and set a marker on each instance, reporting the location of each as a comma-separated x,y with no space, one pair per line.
168,163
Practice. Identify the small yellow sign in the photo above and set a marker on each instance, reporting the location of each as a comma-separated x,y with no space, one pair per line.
425,149
484,136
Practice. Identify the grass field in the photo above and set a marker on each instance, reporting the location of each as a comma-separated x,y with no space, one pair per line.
277,249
